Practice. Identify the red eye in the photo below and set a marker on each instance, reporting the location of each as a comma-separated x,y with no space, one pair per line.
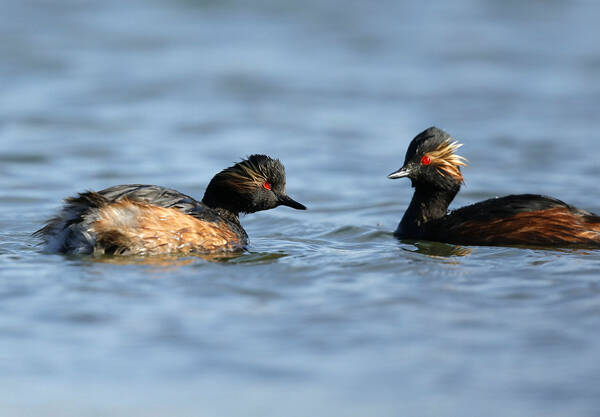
267,185
426,160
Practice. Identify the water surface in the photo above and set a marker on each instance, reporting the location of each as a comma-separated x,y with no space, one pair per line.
326,314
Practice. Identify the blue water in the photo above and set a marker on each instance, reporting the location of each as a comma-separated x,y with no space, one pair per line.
326,314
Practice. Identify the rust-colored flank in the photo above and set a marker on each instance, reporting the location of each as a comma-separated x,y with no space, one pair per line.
125,227
558,225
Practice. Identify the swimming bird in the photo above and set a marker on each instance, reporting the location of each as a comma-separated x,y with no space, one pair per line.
136,219
434,168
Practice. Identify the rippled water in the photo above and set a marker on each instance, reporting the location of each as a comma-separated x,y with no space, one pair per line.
326,314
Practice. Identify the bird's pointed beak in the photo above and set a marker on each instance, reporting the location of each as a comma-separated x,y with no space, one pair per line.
285,200
402,172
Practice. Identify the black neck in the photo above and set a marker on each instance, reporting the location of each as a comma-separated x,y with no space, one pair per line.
229,215
428,203
226,213
219,200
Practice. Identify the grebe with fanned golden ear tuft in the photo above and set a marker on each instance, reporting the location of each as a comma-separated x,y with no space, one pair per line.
434,169
150,220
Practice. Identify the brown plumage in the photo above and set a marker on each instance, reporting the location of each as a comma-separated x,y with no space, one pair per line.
526,219
125,227
553,226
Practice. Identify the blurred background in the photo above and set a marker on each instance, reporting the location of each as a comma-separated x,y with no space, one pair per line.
326,314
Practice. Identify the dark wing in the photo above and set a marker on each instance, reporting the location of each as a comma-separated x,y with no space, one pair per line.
518,219
510,205
155,195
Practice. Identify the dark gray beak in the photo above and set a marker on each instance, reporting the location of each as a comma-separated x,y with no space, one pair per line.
402,172
284,200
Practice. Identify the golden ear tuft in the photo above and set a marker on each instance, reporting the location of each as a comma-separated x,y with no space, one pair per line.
447,161
245,175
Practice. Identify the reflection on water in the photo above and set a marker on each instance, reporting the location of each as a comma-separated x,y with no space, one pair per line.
254,258
179,260
436,249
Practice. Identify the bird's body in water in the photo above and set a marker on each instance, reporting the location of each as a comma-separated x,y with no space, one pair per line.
433,167
150,220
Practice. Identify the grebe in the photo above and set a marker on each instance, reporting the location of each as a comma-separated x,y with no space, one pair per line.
527,219
137,219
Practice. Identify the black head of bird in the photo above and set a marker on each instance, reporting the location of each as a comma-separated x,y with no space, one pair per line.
431,161
254,184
